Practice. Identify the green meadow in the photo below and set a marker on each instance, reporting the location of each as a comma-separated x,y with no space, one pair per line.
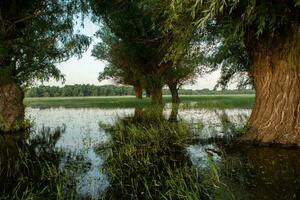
203,101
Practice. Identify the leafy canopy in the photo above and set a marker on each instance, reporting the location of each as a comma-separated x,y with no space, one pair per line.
37,34
133,38
237,28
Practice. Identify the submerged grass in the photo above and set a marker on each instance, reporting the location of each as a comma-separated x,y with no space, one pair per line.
149,161
30,169
209,101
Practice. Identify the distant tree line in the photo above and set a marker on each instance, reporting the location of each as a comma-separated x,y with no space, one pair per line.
112,90
79,90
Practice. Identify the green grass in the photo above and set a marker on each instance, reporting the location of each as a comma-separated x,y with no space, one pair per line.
29,168
208,101
149,161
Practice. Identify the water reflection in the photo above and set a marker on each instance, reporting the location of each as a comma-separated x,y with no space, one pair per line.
174,113
29,168
82,136
251,172
262,172
32,165
79,150
148,160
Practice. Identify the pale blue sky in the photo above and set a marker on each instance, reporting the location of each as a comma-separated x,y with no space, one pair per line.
86,69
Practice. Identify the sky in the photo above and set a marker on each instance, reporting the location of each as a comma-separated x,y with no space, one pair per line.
85,70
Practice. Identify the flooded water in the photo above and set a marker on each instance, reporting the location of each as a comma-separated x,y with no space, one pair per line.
81,136
249,172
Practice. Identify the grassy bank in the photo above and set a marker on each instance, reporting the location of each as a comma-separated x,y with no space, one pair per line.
203,101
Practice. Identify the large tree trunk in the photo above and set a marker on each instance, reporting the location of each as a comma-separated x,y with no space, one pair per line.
156,96
275,118
174,92
138,91
11,106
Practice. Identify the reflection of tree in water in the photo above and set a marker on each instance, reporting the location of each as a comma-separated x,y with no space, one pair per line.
251,172
262,172
154,114
174,113
30,167
226,129
254,172
232,125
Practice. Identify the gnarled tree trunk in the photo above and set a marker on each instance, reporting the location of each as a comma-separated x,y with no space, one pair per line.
156,96
174,92
138,90
276,115
11,106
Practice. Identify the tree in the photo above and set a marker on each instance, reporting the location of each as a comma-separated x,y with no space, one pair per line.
185,71
268,33
132,38
121,76
34,36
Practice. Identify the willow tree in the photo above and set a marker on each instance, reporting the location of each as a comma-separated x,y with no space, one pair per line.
269,33
121,76
34,36
121,63
136,26
184,72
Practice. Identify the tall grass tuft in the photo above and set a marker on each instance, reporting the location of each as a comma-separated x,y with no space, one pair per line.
29,168
149,161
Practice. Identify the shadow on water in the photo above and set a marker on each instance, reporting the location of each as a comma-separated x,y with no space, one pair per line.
262,172
251,172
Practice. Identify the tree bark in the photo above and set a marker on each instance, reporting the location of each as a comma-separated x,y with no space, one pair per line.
174,92
156,96
138,91
11,106
275,118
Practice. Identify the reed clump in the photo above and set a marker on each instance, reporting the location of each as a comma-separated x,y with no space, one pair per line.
149,161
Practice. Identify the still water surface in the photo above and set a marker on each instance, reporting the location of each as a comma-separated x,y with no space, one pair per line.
250,172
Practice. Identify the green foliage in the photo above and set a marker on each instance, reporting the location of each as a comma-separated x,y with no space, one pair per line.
236,29
79,91
121,60
186,70
261,19
149,161
29,168
35,35
134,41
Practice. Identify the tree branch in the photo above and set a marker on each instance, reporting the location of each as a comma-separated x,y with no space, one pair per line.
37,13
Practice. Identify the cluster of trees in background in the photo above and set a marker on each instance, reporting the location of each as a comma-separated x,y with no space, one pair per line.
149,44
135,45
157,43
112,90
